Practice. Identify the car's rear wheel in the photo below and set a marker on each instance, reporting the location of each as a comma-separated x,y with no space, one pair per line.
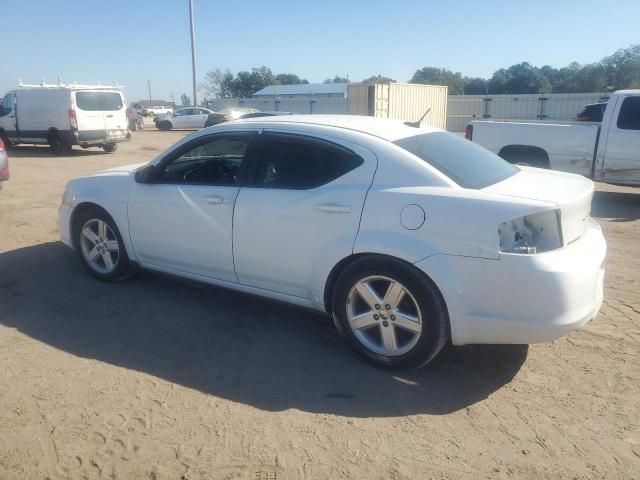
57,145
164,125
100,246
390,313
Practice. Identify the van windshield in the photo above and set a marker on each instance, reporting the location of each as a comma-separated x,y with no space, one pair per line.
466,163
99,101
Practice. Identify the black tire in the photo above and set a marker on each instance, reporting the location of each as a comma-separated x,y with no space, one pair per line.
165,125
133,125
122,266
110,147
57,145
435,329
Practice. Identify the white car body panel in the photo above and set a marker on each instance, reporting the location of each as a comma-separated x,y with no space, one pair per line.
570,147
610,153
275,243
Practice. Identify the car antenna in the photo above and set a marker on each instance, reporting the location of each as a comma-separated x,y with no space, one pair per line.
417,124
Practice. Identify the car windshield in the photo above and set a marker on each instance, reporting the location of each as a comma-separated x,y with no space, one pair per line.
99,101
466,163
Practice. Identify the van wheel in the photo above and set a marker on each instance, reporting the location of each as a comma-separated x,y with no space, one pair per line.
110,147
390,313
57,145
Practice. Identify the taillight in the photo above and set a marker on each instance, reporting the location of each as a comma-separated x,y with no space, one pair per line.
468,132
73,120
1,145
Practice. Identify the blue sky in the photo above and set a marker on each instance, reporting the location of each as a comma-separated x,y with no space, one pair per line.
133,41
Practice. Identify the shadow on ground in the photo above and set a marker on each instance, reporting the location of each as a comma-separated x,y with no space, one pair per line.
43,151
617,206
230,345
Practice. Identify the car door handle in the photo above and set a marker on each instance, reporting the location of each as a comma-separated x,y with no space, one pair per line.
110,116
333,208
215,200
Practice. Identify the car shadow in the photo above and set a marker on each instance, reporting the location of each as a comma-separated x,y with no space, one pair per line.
617,206
239,347
41,151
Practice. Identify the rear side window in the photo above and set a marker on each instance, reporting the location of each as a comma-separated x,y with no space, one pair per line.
99,101
629,117
298,164
466,163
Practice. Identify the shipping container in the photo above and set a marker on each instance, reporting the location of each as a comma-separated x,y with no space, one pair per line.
401,101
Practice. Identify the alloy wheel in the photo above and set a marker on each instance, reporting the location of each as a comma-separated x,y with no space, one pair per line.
99,246
384,316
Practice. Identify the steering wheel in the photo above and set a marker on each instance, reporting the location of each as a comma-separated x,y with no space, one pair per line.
196,173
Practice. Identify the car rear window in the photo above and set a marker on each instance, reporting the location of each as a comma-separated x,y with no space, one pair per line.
466,163
99,101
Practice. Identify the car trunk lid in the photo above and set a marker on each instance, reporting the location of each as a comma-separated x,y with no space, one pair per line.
572,194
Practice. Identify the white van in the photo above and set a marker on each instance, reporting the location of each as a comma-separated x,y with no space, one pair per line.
64,115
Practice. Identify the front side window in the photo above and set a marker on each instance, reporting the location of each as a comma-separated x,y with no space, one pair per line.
184,111
466,163
99,101
629,117
296,164
7,104
214,162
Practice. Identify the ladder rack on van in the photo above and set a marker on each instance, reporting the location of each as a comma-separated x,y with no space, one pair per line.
74,86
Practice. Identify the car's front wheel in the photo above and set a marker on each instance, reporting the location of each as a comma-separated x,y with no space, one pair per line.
100,246
390,313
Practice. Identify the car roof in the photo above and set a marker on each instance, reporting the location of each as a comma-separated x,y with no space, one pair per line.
384,128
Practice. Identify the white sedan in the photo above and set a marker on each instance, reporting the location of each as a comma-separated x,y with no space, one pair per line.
186,117
409,237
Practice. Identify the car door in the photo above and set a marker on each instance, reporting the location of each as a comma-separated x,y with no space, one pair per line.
90,115
622,151
8,119
180,119
198,118
181,219
301,215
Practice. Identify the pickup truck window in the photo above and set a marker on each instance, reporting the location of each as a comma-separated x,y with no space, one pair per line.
629,117
464,162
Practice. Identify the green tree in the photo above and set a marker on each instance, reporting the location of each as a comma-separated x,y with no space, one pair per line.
623,68
440,76
217,83
337,79
378,79
290,79
475,86
247,83
184,98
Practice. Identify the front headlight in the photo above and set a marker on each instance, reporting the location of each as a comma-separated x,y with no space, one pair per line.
536,233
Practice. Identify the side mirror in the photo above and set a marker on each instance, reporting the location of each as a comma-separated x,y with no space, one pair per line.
145,174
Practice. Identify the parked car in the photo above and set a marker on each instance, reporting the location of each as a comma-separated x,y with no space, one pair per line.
609,152
592,112
409,237
64,115
157,110
227,115
4,164
186,117
262,114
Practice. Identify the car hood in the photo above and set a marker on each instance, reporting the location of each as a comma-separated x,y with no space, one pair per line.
124,169
570,193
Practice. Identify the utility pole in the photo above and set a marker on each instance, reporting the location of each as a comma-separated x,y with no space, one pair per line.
193,54
149,86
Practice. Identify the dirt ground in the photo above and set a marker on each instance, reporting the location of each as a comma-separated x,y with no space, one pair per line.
157,378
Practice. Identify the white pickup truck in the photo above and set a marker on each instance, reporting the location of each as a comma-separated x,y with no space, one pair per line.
608,152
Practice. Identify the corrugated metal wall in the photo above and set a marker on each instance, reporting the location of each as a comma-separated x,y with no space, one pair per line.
295,105
556,106
409,102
